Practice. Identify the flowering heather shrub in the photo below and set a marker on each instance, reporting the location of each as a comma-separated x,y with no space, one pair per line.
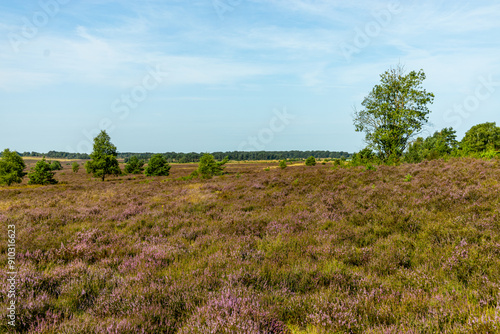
232,311
295,250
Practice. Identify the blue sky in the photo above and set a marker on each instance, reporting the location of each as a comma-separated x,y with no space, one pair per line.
224,75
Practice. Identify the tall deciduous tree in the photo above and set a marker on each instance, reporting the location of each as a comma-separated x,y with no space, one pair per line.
394,112
103,157
11,168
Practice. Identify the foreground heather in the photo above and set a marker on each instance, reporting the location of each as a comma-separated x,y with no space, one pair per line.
300,250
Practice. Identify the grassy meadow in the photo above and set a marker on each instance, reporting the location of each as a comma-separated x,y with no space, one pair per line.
413,248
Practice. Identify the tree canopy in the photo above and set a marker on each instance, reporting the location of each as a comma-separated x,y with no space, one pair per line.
440,144
11,168
103,157
209,167
480,138
394,112
311,161
134,166
75,166
157,166
56,165
42,174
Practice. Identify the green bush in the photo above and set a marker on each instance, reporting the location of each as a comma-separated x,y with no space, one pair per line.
490,154
56,165
369,166
364,157
311,161
11,168
134,166
75,167
42,174
209,167
157,166
283,164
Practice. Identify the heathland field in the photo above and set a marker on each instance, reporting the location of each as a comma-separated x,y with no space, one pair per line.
323,249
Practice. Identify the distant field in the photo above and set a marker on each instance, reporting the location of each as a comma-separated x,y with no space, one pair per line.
407,249
28,159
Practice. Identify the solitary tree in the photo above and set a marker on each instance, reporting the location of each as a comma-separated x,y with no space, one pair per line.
208,167
75,167
11,168
394,112
103,157
134,166
42,174
311,161
157,166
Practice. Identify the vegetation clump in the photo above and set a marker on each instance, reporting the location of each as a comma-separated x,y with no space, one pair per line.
11,168
209,167
103,157
134,166
75,167
441,144
157,166
42,174
311,161
481,138
56,165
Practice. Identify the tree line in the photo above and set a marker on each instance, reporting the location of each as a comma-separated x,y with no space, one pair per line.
195,157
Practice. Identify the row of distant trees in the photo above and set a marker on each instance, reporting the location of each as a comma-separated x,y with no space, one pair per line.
195,157
103,162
